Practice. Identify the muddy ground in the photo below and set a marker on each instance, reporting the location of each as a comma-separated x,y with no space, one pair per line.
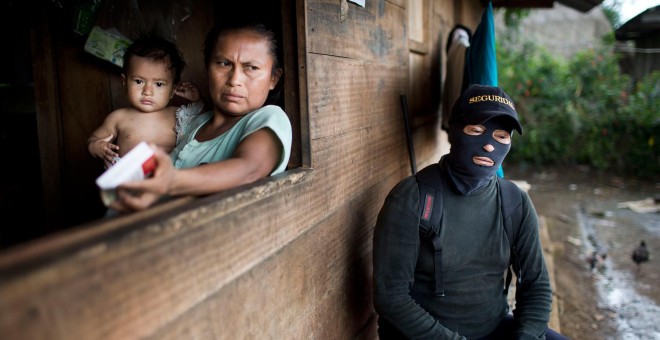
615,300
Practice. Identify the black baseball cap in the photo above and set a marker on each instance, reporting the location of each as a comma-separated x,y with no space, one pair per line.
479,103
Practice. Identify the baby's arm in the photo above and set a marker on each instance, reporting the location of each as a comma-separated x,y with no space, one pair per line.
100,143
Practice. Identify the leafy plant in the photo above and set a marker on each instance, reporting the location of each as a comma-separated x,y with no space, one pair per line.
582,110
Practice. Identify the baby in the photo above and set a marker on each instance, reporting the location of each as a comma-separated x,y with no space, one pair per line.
151,76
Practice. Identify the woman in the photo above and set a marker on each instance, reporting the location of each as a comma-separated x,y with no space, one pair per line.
240,141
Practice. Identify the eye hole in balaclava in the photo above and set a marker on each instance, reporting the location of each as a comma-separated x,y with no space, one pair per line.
477,151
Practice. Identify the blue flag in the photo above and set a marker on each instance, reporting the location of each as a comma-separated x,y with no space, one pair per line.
481,60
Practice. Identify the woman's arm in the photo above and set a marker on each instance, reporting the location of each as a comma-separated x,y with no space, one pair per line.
255,157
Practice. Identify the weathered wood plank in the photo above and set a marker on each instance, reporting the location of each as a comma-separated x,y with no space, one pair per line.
375,32
420,84
128,285
48,114
294,65
429,143
84,96
318,287
190,39
347,95
469,13
373,107
400,3
418,25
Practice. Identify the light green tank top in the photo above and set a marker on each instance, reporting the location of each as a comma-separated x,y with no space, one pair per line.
190,153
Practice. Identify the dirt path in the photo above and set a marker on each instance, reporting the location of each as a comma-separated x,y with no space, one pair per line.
614,301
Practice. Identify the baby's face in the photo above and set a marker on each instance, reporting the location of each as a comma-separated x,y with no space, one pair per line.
149,84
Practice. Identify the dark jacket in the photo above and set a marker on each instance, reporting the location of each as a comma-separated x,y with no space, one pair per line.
475,257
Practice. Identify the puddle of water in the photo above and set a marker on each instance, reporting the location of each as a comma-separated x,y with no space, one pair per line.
636,316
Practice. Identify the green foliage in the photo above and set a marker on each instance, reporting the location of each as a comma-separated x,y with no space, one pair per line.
612,9
514,16
582,111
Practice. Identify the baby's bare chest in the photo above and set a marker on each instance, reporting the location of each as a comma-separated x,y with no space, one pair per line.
158,129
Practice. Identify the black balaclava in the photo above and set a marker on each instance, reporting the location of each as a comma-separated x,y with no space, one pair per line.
492,108
465,174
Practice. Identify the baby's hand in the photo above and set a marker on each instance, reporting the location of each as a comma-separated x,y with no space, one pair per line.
188,91
104,149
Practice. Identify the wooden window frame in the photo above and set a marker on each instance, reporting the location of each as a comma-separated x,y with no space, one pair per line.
423,12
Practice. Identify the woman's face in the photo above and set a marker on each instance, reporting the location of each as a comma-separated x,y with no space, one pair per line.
240,73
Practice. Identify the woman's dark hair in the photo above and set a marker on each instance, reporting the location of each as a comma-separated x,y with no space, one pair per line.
156,49
260,30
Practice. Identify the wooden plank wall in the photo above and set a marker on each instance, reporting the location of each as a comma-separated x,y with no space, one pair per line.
286,258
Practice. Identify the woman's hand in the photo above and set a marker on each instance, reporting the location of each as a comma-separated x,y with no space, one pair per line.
188,90
139,195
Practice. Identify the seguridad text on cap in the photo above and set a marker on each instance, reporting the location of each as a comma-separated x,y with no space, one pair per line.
479,103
